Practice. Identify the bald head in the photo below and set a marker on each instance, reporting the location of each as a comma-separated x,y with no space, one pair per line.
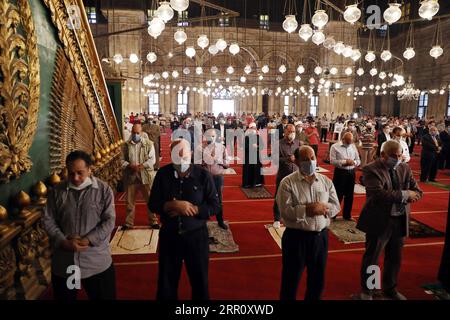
347,137
304,153
136,129
391,149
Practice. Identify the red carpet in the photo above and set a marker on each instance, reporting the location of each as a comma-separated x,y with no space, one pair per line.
254,272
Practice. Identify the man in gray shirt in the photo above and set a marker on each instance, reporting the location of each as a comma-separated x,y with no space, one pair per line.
79,218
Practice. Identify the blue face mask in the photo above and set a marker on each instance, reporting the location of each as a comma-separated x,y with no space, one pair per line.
393,163
136,138
308,168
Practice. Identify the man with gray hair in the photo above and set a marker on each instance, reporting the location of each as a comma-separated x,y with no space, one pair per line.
390,188
306,200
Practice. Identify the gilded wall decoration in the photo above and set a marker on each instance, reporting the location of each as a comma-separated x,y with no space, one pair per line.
72,127
80,50
19,88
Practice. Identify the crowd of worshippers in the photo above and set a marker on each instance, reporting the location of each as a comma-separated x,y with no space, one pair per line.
80,214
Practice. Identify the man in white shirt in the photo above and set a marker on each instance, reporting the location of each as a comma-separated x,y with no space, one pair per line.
345,158
138,161
306,200
398,135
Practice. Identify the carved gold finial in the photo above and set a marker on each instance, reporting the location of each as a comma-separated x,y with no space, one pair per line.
40,190
98,156
54,179
23,200
108,150
112,146
3,217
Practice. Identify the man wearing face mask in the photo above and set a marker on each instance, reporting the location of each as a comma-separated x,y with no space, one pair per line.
184,196
300,135
251,169
398,135
287,165
307,200
431,148
138,161
345,158
79,217
390,188
222,128
383,136
313,136
215,161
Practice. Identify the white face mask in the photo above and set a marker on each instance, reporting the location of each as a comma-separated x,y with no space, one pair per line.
86,183
291,136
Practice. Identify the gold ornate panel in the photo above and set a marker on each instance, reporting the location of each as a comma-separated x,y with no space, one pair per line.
81,53
19,88
71,126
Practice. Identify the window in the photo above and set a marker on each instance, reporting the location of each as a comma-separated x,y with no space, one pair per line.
150,15
448,105
223,106
286,105
224,21
182,19
264,21
314,105
406,11
91,14
422,106
153,103
182,103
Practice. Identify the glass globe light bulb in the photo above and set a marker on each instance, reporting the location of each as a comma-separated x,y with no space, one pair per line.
248,69
180,36
356,55
203,41
409,53
290,23
339,47
319,19
318,70
282,68
428,9
300,69
386,55
165,12
199,70
190,52
134,58
305,32
436,51
118,58
151,57
265,69
318,37
347,52
360,71
329,43
179,5
221,44
230,70
352,13
370,56
234,49
213,49
393,13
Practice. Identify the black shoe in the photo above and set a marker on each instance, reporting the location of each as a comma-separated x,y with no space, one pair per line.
126,227
222,225
155,226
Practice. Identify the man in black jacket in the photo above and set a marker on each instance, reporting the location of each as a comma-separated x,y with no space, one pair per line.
383,136
185,197
431,147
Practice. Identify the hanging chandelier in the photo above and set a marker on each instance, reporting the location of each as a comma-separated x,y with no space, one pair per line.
409,92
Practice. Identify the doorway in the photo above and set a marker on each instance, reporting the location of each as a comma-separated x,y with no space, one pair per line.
223,106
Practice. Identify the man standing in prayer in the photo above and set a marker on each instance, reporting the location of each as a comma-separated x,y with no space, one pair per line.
390,188
307,200
345,159
138,161
79,217
184,196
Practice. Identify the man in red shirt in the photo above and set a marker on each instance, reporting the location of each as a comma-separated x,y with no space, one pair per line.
313,135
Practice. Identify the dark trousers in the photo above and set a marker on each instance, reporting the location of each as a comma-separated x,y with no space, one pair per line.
316,149
276,210
344,182
101,286
444,269
302,249
428,167
193,248
323,134
391,241
218,182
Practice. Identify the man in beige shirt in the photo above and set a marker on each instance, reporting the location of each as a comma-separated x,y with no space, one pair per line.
138,161
306,200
